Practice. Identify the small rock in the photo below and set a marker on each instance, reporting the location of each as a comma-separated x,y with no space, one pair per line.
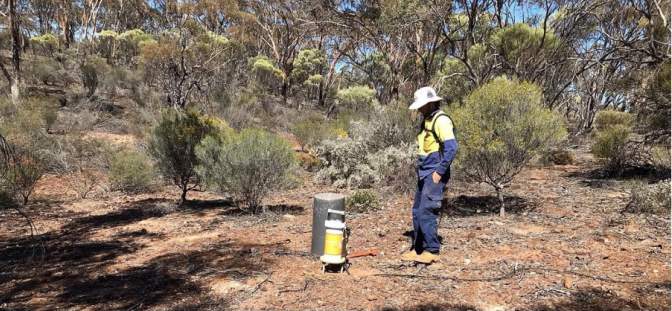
567,282
494,308
467,261
288,217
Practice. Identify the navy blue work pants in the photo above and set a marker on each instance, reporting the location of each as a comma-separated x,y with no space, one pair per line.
426,208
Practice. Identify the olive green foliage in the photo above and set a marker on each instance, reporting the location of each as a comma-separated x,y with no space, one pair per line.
358,98
184,62
33,150
500,128
248,165
131,172
92,72
611,140
611,147
649,198
21,178
654,111
451,79
362,201
309,63
558,156
609,118
520,42
265,69
311,131
660,158
173,142
46,70
45,43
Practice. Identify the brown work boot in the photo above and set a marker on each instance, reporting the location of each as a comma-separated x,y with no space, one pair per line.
427,258
409,256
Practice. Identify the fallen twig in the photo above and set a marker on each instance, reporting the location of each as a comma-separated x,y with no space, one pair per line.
267,279
303,289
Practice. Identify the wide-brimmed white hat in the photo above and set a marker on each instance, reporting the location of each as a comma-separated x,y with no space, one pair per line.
423,96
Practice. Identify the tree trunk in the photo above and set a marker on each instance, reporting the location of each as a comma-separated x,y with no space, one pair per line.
284,91
320,95
183,197
500,196
16,51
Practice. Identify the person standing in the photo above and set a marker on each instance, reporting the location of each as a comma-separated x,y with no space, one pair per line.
437,147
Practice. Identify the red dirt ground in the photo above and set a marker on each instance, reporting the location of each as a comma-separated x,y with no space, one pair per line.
565,245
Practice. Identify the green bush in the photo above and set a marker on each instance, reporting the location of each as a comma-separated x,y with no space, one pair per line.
609,118
660,158
358,98
248,165
46,43
21,177
92,73
611,147
558,157
500,128
362,201
131,171
650,199
312,131
173,141
46,70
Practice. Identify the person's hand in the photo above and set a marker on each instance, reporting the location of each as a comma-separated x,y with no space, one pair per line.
436,177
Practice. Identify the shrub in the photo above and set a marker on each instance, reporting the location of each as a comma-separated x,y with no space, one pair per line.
265,71
649,199
375,151
610,118
660,158
387,126
247,165
611,147
501,127
395,167
46,43
358,98
308,161
131,171
312,131
173,142
91,73
85,159
362,201
558,157
21,177
344,163
46,70
308,62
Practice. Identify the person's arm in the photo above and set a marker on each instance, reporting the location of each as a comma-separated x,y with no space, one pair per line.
444,130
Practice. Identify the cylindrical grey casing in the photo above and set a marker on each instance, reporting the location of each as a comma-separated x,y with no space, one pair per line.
321,203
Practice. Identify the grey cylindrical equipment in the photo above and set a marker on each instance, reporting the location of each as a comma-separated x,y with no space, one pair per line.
321,203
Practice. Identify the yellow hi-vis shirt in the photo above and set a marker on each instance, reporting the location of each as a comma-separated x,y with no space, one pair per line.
444,130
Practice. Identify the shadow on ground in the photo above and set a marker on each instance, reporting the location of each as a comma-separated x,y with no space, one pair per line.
433,307
273,209
600,178
589,299
467,206
70,269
